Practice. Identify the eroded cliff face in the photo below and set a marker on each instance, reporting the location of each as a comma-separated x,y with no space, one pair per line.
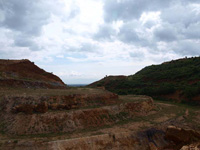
179,137
33,115
41,104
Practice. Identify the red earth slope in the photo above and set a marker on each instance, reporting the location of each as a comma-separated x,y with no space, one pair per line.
25,74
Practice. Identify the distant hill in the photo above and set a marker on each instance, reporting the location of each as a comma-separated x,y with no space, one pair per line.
107,80
76,85
24,73
176,80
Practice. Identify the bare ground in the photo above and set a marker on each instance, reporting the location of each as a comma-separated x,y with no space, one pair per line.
163,115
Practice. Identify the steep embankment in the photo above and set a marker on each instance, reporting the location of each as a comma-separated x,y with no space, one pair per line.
66,113
178,80
24,73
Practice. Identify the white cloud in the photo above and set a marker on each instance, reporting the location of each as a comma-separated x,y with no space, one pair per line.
82,41
150,18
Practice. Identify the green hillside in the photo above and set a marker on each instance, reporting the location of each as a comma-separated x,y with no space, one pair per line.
177,79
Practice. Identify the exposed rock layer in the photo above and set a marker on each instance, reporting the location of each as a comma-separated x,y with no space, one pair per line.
180,137
60,120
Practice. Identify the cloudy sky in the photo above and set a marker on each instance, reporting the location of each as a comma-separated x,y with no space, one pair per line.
81,41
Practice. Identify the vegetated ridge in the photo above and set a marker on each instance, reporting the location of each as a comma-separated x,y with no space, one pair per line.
24,73
177,79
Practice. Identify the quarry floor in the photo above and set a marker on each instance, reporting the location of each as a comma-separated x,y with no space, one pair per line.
165,113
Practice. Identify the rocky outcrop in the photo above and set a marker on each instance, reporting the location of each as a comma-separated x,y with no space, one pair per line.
140,107
25,108
41,107
30,109
194,146
34,104
179,137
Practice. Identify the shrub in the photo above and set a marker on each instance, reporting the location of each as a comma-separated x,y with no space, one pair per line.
190,92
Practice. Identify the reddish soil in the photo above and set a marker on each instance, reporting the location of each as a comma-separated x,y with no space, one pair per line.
177,96
38,115
24,73
41,104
